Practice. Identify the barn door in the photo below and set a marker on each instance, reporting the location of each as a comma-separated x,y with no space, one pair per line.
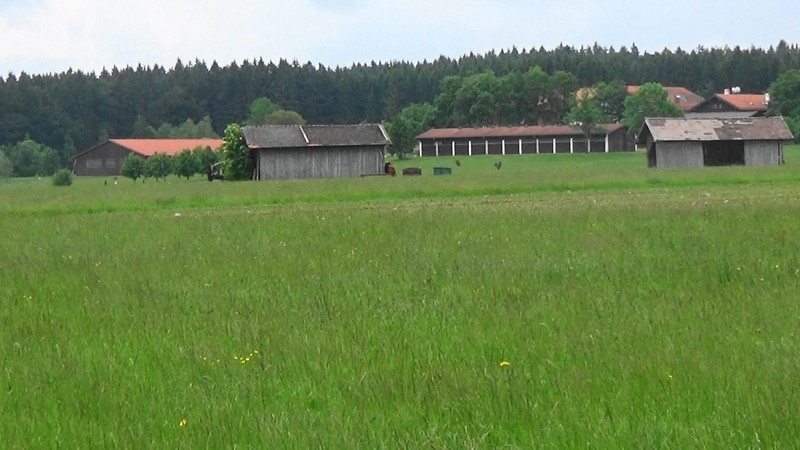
723,153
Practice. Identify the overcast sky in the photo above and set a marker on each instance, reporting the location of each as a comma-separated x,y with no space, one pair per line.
47,36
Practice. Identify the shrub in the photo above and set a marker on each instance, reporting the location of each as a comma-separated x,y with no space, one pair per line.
62,178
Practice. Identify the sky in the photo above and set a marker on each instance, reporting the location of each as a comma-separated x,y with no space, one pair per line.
52,36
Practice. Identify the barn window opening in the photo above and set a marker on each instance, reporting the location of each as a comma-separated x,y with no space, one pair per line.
723,153
94,163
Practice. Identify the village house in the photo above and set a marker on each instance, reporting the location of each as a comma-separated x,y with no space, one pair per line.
683,98
731,105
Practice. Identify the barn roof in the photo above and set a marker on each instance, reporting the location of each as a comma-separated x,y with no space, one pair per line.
502,132
682,97
149,147
300,136
748,129
740,102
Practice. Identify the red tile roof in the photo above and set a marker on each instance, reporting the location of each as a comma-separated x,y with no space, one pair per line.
501,132
149,147
683,98
745,102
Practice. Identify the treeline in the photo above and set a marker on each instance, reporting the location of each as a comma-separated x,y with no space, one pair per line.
75,110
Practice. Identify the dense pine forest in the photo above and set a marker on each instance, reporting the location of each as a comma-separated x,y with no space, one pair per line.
72,111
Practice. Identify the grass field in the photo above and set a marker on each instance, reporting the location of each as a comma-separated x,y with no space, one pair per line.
564,301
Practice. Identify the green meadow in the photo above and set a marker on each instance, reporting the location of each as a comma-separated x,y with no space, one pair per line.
562,301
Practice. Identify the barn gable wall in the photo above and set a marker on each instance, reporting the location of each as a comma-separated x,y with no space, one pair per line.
319,162
763,153
679,154
103,160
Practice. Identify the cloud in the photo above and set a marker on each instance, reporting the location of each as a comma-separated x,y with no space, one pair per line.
53,35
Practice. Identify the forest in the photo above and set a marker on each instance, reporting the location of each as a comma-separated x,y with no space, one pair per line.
73,110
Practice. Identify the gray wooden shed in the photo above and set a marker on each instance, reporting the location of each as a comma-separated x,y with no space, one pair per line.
683,142
316,151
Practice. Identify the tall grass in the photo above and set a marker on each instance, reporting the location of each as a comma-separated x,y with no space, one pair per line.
474,177
370,314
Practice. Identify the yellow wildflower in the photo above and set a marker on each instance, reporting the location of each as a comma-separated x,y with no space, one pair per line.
505,364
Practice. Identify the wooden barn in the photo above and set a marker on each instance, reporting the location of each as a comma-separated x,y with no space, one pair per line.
106,158
522,140
316,151
684,142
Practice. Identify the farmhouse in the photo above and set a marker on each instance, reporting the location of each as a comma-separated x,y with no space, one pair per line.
683,142
683,98
522,140
106,158
731,106
316,151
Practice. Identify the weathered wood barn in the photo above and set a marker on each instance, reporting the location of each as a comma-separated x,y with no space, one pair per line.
106,158
683,142
731,106
522,140
316,151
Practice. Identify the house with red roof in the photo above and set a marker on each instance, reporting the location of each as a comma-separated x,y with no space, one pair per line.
106,158
522,140
682,97
731,106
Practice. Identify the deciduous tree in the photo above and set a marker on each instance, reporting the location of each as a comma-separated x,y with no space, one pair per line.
205,158
133,167
651,100
784,95
587,115
260,109
235,154
185,164
157,166
407,124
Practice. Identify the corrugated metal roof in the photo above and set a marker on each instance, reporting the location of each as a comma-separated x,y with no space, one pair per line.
274,136
508,132
299,136
682,97
750,129
149,147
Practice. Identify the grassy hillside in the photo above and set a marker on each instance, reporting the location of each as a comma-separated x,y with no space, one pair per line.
561,301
